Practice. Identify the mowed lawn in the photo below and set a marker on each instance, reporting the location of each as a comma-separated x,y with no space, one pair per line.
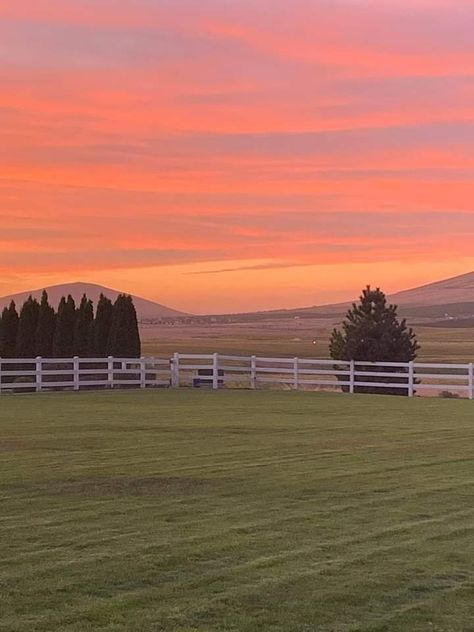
235,511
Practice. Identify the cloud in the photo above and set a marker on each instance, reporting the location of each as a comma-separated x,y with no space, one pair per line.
251,138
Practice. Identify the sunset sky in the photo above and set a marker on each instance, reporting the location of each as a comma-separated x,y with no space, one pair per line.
229,155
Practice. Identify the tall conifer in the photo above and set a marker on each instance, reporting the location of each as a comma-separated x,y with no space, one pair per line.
1,331
27,326
9,331
45,329
102,325
63,340
83,328
124,339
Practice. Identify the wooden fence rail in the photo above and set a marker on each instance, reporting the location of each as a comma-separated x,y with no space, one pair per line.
406,378
219,370
43,374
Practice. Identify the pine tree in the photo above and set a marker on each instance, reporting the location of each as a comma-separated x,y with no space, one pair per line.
63,339
124,339
27,326
9,331
83,328
373,332
102,325
45,329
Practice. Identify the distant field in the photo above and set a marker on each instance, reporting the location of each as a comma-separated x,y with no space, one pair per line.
446,345
235,512
302,338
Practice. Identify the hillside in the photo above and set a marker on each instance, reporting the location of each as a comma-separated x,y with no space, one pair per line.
439,301
145,309
459,290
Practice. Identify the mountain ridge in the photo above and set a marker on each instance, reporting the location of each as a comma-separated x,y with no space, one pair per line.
146,309
457,291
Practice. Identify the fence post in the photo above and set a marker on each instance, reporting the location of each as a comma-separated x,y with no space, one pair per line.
352,377
143,372
471,380
295,374
253,372
38,374
75,368
175,371
215,371
411,379
110,372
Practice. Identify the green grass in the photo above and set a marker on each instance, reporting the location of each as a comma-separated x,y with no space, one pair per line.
235,511
304,339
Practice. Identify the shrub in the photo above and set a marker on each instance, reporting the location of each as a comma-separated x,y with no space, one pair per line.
449,395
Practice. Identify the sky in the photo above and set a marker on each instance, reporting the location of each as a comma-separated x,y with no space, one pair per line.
232,155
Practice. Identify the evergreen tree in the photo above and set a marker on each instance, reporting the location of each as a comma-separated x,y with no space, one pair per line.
27,326
102,325
9,331
45,329
63,339
124,339
83,328
372,332
1,331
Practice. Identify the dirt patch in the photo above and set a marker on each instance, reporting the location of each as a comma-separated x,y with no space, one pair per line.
124,486
14,445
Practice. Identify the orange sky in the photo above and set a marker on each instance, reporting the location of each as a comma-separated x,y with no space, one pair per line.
223,156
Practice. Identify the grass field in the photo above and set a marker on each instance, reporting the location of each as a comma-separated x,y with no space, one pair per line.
305,338
236,511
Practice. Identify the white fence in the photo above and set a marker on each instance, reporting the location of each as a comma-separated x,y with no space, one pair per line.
217,370
42,374
407,378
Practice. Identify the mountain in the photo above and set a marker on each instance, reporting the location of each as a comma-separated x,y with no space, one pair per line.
145,309
450,300
436,302
454,294
459,289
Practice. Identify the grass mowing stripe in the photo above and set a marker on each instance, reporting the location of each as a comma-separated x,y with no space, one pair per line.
235,511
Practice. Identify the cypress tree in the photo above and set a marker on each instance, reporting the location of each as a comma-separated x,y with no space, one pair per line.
83,328
124,339
63,339
102,325
9,331
2,316
45,330
373,333
27,326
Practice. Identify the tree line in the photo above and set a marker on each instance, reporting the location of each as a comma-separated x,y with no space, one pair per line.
39,330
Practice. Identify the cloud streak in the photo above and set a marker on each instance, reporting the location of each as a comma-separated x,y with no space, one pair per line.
251,141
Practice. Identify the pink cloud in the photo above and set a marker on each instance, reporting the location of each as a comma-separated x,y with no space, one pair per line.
249,131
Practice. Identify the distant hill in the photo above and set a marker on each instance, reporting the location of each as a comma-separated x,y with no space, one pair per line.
145,309
450,301
451,323
447,301
459,290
